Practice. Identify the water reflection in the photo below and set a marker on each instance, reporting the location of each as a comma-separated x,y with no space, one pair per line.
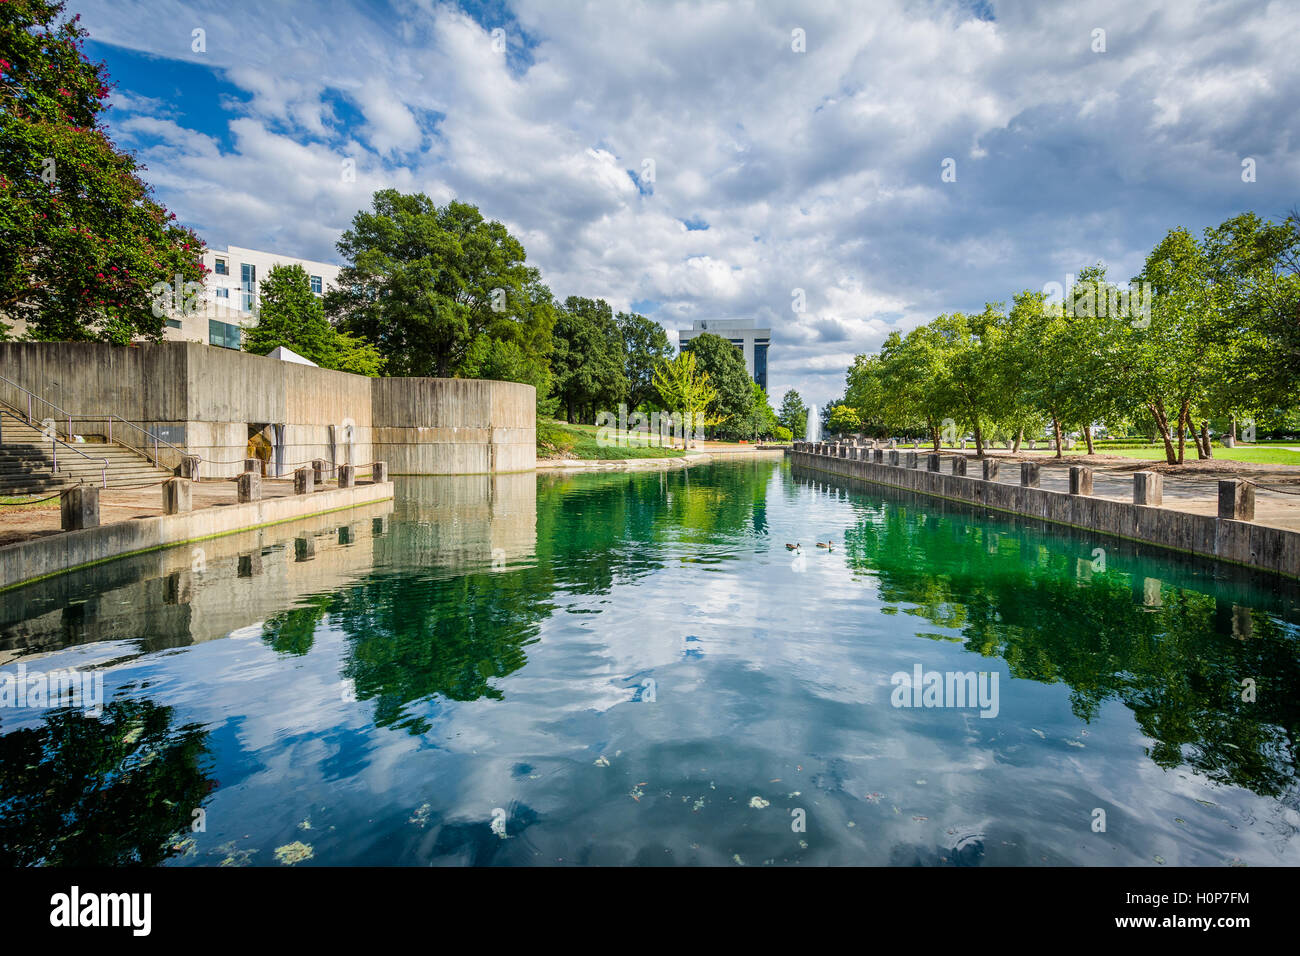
1025,592
620,662
119,789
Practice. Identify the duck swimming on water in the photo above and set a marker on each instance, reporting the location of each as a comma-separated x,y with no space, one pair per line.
828,545
792,547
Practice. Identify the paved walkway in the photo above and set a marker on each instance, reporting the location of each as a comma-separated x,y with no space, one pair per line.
1191,487
123,504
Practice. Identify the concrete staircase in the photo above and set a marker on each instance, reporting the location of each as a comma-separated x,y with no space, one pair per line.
25,463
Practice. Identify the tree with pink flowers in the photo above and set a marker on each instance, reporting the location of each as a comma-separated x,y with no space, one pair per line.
82,241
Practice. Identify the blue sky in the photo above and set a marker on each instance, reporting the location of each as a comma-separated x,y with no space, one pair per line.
773,169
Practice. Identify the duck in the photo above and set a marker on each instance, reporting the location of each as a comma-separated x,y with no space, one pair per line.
828,545
792,547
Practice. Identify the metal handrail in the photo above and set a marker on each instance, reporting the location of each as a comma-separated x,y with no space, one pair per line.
55,441
108,417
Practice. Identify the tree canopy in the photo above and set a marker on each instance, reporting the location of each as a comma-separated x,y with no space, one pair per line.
82,238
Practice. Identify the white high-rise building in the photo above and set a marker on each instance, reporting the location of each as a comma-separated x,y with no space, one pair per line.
752,342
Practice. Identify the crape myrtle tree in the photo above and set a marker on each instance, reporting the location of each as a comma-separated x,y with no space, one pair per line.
865,392
1209,330
973,347
82,241
587,363
794,414
1256,266
843,420
290,314
725,366
1170,363
915,368
441,291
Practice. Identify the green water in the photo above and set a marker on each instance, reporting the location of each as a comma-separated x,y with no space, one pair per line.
633,669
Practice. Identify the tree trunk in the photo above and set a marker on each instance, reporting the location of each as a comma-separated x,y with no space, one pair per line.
1182,430
1020,436
1056,424
934,436
1232,428
1205,438
979,441
1087,432
1157,410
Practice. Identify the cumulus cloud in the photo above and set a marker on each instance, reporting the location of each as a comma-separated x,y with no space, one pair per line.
817,170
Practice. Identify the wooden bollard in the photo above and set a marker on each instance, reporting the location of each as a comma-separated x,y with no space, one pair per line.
1080,480
249,487
347,476
1029,474
379,472
304,481
1236,500
318,471
959,466
176,496
988,469
79,508
910,460
253,464
932,462
1148,488
893,456
190,467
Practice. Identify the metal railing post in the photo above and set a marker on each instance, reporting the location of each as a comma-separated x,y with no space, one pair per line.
54,457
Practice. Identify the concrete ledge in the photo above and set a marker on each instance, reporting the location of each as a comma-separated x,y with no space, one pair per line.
39,558
1276,550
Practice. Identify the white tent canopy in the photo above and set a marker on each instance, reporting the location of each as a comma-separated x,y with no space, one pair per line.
288,355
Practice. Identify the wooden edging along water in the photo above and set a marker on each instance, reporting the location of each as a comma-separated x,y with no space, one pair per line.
1242,542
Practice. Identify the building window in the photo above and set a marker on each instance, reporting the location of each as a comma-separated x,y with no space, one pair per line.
223,334
247,285
220,268
223,293
316,285
173,323
760,366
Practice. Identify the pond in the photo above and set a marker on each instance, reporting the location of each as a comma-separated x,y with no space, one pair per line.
633,668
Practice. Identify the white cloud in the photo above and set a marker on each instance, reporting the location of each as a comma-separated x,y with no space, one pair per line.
817,170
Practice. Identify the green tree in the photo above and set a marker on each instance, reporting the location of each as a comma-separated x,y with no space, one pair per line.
915,366
762,421
794,414
290,314
587,361
684,387
725,366
82,241
645,345
865,392
843,419
424,282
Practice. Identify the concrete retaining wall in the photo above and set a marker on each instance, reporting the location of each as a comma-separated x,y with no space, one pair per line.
39,558
458,426
203,400
1240,542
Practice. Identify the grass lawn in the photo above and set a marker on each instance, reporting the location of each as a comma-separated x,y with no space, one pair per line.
1257,454
559,439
